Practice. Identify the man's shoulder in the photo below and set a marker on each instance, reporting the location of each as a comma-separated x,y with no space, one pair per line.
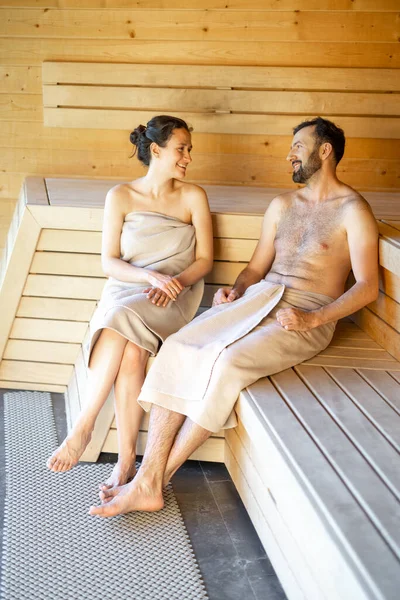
353,201
283,200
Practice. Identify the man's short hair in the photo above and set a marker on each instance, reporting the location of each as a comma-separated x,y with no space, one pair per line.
326,131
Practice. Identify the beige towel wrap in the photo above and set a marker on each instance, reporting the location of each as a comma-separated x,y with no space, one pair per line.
164,244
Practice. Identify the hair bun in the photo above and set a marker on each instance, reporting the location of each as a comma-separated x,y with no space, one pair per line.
137,133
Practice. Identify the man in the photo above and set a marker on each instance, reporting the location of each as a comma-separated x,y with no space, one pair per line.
281,311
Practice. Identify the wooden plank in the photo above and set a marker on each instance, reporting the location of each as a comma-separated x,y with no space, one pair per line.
41,351
227,199
205,169
210,101
390,233
373,406
35,372
394,224
21,80
268,522
29,51
211,450
15,267
36,387
345,342
237,226
202,24
374,439
224,273
56,308
387,309
70,241
388,127
368,489
21,107
206,76
48,330
59,263
63,217
385,385
240,226
90,242
34,135
319,510
266,5
57,286
36,191
362,353
386,336
389,283
353,363
389,256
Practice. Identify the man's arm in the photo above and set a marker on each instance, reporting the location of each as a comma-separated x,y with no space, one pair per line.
362,237
260,262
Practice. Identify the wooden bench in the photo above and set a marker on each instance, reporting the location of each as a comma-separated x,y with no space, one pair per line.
315,454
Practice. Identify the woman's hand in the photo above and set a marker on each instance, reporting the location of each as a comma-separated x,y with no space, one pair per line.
171,286
157,296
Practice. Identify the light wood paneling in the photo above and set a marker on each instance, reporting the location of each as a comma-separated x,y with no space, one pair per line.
212,26
20,80
56,308
34,135
32,52
210,101
202,76
267,5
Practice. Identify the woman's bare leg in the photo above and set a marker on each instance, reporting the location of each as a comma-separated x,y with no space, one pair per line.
103,368
128,413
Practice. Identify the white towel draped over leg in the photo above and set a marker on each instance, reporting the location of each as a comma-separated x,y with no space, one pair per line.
201,370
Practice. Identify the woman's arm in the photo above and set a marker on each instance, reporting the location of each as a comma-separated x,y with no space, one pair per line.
201,219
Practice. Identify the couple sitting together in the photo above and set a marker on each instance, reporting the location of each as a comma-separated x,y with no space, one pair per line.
282,309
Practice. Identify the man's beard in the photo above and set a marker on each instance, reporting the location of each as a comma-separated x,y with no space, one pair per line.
303,174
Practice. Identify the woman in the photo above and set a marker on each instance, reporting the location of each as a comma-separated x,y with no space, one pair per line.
156,249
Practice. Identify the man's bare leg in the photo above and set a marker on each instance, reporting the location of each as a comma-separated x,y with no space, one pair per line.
190,437
128,413
104,365
145,491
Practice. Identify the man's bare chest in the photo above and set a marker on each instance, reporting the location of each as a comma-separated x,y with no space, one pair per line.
310,232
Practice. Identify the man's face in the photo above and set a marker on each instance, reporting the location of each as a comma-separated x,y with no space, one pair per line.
304,155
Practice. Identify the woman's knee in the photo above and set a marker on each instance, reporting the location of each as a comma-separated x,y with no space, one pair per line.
133,359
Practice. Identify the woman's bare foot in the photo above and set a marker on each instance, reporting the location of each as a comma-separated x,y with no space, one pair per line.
122,473
134,496
68,454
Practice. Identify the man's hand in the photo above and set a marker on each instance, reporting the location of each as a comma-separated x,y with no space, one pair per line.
224,295
294,319
157,296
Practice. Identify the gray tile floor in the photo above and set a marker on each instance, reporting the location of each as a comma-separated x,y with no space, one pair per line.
230,555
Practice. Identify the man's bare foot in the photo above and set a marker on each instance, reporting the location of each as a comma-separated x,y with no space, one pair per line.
134,496
122,473
68,454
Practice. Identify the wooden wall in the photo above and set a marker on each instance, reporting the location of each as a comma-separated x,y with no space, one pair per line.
311,33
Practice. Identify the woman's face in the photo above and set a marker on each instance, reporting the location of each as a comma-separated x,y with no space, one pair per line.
175,157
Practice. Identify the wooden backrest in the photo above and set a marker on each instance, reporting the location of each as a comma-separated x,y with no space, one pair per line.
229,99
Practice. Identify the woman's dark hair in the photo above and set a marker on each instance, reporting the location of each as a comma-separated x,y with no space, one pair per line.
326,131
158,130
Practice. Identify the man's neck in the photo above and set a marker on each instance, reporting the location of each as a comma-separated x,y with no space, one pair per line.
322,186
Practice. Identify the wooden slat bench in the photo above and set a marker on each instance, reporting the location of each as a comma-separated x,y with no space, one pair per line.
315,456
